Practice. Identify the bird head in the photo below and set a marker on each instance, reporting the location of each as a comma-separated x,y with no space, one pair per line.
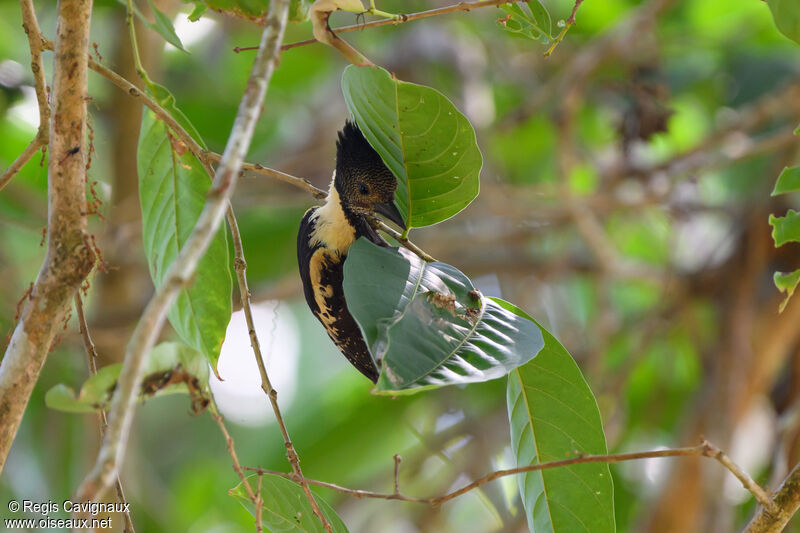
364,183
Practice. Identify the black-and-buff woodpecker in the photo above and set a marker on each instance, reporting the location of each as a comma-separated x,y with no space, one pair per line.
362,187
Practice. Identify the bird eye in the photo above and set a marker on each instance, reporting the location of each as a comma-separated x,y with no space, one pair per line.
363,189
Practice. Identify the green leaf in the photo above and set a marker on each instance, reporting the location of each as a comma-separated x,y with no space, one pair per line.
423,139
172,189
286,508
553,415
164,27
426,323
94,395
785,229
198,11
171,368
166,100
541,17
532,22
298,10
786,282
788,181
786,14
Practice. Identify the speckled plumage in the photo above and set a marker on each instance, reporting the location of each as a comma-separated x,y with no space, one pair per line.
362,186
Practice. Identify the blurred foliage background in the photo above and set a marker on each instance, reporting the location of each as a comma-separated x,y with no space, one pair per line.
624,204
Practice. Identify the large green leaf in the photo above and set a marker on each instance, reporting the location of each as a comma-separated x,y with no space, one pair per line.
788,181
554,415
785,229
172,367
786,14
423,139
172,189
286,508
427,325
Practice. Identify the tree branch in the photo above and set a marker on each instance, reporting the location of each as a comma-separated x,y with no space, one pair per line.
704,449
180,272
69,258
31,27
399,19
785,502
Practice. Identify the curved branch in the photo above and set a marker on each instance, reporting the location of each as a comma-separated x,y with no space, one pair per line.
180,272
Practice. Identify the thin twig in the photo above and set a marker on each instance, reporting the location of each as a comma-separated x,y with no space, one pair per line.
237,466
397,460
183,267
396,235
257,168
240,266
567,25
399,19
704,449
20,161
91,357
31,26
206,157
259,506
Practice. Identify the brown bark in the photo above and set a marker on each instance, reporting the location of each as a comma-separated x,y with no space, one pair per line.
69,258
787,499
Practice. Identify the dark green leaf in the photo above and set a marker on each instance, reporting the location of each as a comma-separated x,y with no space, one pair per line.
286,508
785,229
786,282
173,188
786,14
171,368
553,415
788,181
427,324
423,139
